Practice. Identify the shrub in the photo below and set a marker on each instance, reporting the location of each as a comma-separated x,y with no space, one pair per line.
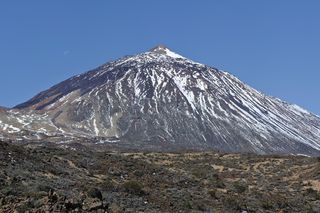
202,172
280,200
266,204
95,193
26,207
133,187
310,190
239,187
313,193
44,188
212,193
108,184
216,181
232,202
138,173
36,194
188,205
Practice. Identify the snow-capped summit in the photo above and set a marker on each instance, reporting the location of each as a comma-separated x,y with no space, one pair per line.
161,49
161,100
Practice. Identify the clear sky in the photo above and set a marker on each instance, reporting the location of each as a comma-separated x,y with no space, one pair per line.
272,45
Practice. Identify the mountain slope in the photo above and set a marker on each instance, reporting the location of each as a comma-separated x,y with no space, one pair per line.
161,98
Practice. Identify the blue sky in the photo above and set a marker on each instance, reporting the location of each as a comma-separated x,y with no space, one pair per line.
274,46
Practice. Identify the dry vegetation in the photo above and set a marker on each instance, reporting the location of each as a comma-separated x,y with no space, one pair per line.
52,179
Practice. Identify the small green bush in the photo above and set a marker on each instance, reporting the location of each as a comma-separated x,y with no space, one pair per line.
138,173
216,181
266,204
232,202
133,187
239,187
188,205
310,191
36,194
202,172
212,193
108,185
44,188
95,193
313,193
24,208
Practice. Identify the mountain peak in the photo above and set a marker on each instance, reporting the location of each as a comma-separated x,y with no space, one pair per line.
159,49
162,49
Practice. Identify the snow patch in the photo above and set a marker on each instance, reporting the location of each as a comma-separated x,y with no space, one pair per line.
96,129
299,109
173,54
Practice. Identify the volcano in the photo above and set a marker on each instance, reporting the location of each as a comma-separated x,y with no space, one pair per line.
163,100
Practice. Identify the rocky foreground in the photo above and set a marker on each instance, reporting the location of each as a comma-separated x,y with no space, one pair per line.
50,179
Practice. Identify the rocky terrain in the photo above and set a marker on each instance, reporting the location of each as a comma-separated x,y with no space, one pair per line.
36,178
